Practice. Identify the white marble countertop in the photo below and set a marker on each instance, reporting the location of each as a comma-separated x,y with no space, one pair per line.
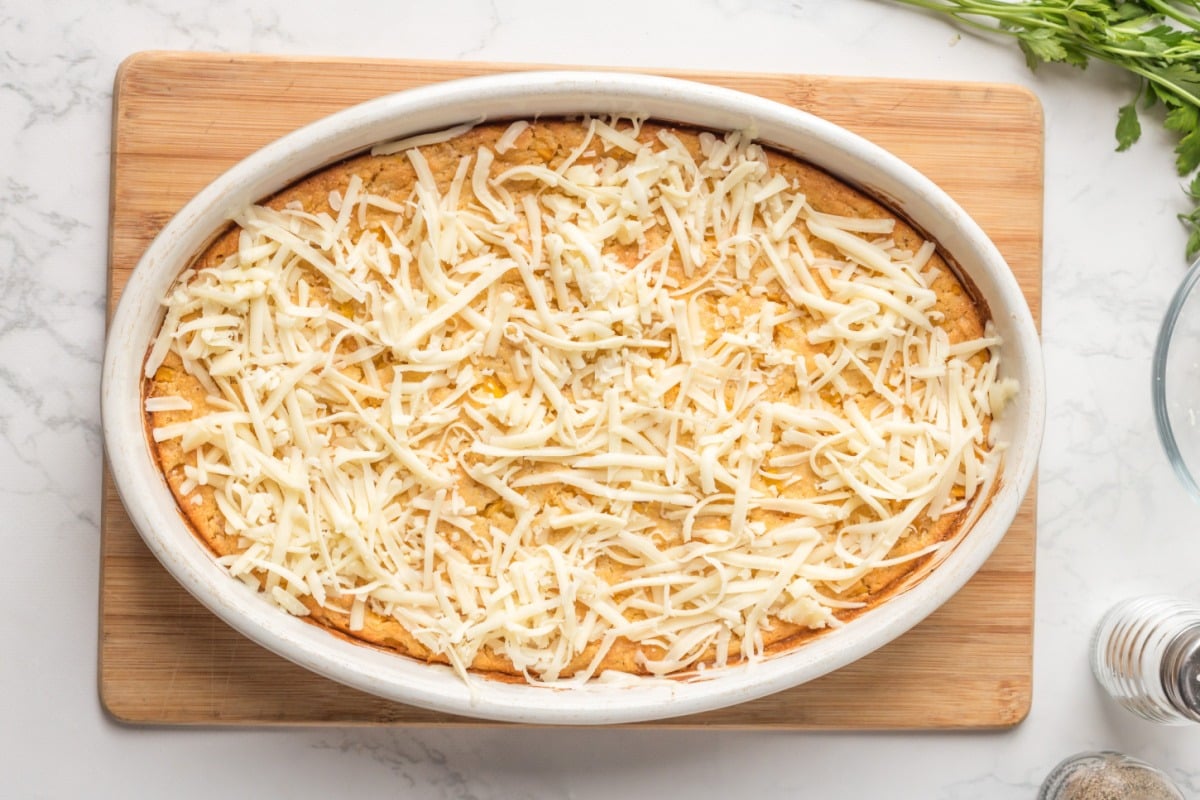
1113,519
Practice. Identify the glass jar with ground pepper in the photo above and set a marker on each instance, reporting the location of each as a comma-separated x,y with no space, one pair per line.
1105,775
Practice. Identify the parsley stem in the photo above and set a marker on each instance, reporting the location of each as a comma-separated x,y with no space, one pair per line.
1168,10
1154,77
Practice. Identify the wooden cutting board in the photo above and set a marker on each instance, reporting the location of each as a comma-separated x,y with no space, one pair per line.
180,119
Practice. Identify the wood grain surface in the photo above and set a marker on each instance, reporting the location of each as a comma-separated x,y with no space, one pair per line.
180,119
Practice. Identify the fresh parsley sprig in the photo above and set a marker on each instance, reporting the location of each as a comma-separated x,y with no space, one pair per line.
1156,40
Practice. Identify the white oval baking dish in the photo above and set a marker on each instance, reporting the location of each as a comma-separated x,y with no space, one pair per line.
152,507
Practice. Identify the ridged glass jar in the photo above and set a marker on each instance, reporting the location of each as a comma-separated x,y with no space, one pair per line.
1146,654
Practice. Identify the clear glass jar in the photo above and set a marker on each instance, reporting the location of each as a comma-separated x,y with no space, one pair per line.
1146,654
1105,775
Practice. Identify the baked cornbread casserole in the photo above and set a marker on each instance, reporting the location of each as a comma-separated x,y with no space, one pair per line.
575,399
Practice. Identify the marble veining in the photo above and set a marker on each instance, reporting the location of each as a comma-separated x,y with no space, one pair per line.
1113,519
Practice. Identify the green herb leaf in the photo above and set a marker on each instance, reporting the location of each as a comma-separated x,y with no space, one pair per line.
1182,119
1193,242
1187,153
1042,45
1129,130
1127,11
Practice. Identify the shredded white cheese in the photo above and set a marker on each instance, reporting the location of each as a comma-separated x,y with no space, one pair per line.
643,395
